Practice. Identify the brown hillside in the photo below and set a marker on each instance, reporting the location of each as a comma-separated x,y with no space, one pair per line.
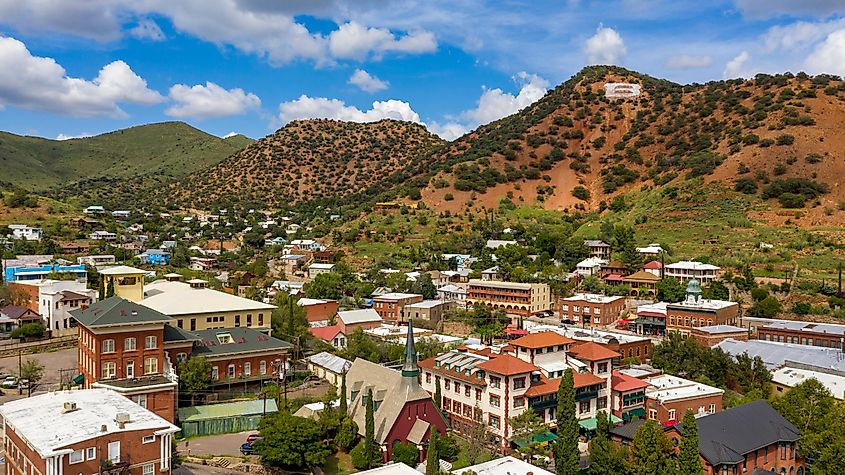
309,160
775,126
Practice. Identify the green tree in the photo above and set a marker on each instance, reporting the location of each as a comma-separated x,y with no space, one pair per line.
716,291
101,291
424,286
328,285
567,456
671,289
195,375
291,442
651,451
624,245
432,458
32,370
766,308
438,394
606,458
526,428
343,408
407,453
347,434
28,330
371,448
288,319
689,461
110,288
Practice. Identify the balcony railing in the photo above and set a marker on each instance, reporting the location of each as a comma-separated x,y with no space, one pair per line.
586,395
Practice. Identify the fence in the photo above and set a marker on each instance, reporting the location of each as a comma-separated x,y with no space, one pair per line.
11,348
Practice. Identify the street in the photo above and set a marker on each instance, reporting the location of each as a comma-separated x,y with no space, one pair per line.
223,444
52,361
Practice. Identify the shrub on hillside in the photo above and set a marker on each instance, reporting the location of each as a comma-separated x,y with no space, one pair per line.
746,185
792,200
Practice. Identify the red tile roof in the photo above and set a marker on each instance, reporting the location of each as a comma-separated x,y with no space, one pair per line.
653,265
507,365
542,340
586,379
549,386
622,382
591,351
325,333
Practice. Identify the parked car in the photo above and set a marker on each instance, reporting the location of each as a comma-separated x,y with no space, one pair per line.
252,438
11,382
246,449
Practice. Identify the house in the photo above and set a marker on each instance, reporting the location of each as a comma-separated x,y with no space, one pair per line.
598,248
453,293
318,312
98,260
24,232
308,245
351,320
592,309
590,266
651,320
654,268
102,236
121,213
503,466
627,345
669,397
331,334
493,273
715,334
54,300
751,438
429,310
73,247
628,396
404,411
328,366
37,267
695,311
692,270
497,243
514,298
324,257
203,264
83,223
94,210
237,355
389,306
615,268
643,284
776,355
14,316
155,257
317,268
89,431
651,250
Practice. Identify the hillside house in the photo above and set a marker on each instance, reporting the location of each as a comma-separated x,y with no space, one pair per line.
26,233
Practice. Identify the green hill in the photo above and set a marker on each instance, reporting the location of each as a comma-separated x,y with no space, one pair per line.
166,150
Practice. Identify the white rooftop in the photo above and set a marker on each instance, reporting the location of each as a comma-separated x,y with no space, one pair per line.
504,466
659,307
586,334
304,302
358,316
179,298
706,304
594,298
397,296
426,304
43,424
791,377
774,354
592,262
318,265
717,329
650,249
120,270
692,265
808,326
497,243
666,388
391,469
331,362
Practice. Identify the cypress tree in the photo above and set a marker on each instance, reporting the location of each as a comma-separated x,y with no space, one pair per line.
101,291
567,456
651,451
344,410
438,396
110,288
605,457
372,449
432,458
689,462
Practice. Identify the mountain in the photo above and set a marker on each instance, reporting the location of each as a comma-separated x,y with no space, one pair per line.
167,150
309,161
577,148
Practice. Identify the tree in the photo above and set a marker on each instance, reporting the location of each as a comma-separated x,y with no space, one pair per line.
766,308
32,370
477,436
650,451
372,451
195,375
343,403
328,285
110,288
407,453
689,461
254,239
291,442
28,330
670,289
438,394
288,319
101,291
347,434
605,457
526,427
624,245
567,456
716,291
432,458
424,286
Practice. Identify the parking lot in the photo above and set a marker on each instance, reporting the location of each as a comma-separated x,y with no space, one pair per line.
52,361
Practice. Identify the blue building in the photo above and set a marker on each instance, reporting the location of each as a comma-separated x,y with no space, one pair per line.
155,257
14,274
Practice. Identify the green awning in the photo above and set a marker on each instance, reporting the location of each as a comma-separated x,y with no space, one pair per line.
590,424
79,379
539,438
638,412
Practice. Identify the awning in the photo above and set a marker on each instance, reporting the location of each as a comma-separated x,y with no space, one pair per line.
632,316
590,424
638,412
543,438
515,332
79,379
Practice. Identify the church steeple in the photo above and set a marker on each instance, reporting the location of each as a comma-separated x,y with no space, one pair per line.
409,365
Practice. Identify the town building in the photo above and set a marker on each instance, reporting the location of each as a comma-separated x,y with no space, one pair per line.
713,335
692,270
628,396
328,366
429,310
453,293
643,284
154,257
89,431
97,260
127,282
497,243
39,267
776,355
95,209
502,466
598,248
237,355
654,268
695,311
102,236
792,374
308,245
627,345
592,309
389,306
14,316
331,334
669,397
26,233
514,298
54,300
317,268
803,333
318,312
650,319
546,349
350,320
652,250
203,264
590,266
404,411
492,273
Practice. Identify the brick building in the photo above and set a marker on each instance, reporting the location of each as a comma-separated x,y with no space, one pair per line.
803,333
389,306
627,345
669,397
695,311
713,335
514,298
350,320
591,309
89,431
627,396
318,311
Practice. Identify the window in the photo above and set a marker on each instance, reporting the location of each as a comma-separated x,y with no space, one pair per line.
77,456
671,414
151,342
130,369
260,319
141,400
602,403
477,394
447,383
494,400
108,346
179,323
237,321
149,469
494,382
249,319
181,357
231,371
109,370
215,373
712,409
652,414
428,378
247,369
150,365
90,453
130,344
783,451
518,402
518,383
262,367
148,439
584,406
494,421
603,367
457,387
447,404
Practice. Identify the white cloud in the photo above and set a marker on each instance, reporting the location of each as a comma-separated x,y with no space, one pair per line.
736,67
605,47
323,108
829,56
367,82
686,61
147,30
772,8
39,83
71,137
448,131
230,135
211,100
355,41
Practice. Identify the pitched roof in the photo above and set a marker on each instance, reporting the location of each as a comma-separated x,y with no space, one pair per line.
70,295
331,362
325,333
627,431
507,365
642,275
622,382
358,316
117,311
725,437
653,265
173,333
542,340
121,270
586,379
14,311
593,352
226,341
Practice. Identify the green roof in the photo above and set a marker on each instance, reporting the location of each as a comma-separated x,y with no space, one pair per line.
174,333
229,409
224,341
590,424
117,311
545,437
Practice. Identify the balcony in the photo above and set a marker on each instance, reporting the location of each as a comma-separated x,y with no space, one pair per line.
539,404
586,395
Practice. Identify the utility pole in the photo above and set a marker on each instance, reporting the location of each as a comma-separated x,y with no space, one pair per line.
839,293
20,371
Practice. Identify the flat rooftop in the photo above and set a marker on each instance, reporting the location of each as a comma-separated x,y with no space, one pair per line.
791,377
667,388
721,329
593,298
774,354
810,327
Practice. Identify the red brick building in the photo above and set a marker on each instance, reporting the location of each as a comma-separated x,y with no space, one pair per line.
318,310
713,335
591,309
669,397
803,333
695,312
89,431
390,306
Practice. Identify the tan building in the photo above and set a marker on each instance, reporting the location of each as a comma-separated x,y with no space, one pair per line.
128,282
431,310
389,306
713,335
643,284
514,298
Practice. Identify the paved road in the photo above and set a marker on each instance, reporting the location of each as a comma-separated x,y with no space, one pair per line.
52,361
196,469
223,444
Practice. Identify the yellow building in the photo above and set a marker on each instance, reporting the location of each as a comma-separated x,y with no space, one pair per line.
127,282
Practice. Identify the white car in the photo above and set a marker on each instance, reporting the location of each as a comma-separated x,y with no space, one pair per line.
10,382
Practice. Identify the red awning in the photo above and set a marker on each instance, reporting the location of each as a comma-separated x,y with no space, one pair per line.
513,331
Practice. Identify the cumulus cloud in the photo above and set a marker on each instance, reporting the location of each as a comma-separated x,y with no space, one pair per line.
355,41
367,82
39,83
605,47
829,56
736,67
686,61
448,131
230,135
306,107
211,100
147,29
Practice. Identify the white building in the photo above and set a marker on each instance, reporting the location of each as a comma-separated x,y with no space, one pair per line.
651,250
57,298
454,293
308,244
504,466
667,389
590,266
497,243
794,374
22,231
688,270
102,236
317,268
96,260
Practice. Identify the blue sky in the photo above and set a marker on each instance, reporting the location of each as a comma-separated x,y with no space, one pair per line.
250,66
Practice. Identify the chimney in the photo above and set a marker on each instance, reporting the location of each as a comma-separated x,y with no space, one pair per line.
104,428
69,407
122,418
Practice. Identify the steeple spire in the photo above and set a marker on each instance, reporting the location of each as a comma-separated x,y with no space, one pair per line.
409,366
